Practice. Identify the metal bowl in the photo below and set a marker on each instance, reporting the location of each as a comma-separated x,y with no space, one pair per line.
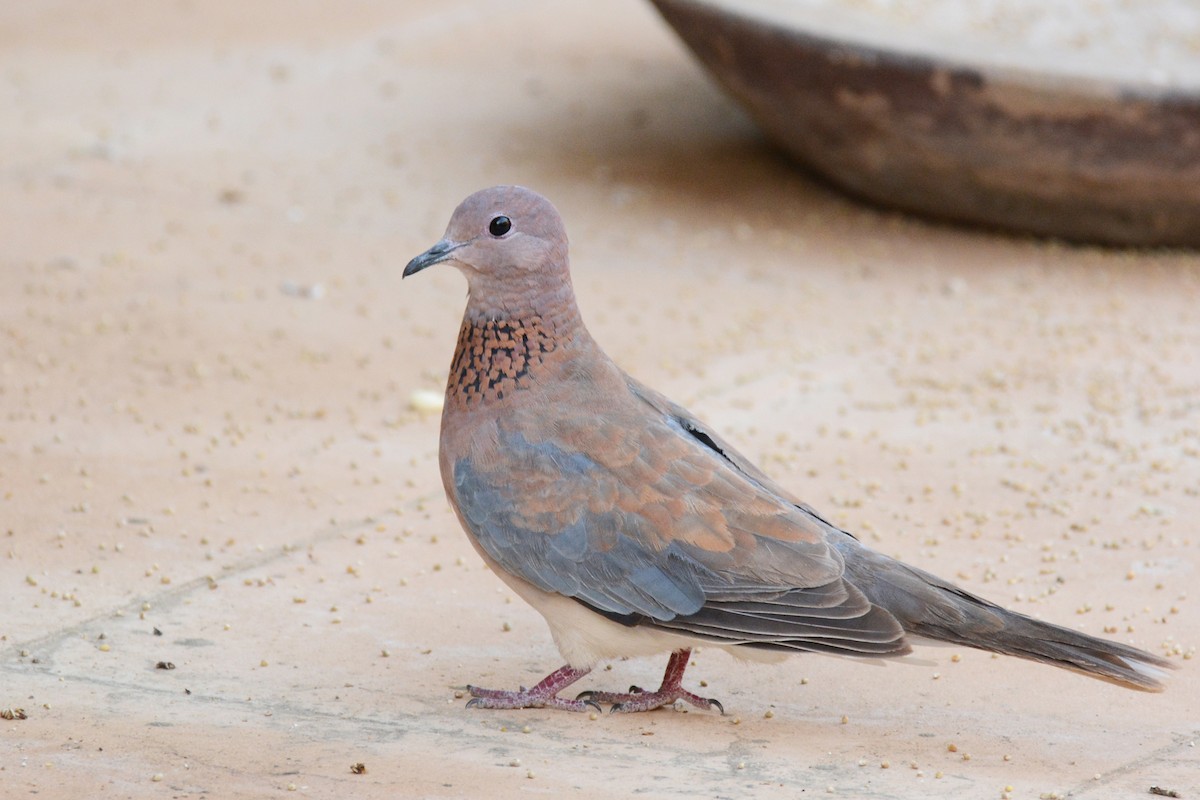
967,137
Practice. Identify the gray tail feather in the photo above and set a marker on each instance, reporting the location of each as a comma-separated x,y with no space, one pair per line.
927,606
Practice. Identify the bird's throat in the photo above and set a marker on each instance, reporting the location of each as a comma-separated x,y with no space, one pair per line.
497,358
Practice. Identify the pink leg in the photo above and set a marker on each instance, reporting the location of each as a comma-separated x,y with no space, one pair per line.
544,695
670,691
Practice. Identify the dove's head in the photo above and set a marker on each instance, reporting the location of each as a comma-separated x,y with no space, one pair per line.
511,245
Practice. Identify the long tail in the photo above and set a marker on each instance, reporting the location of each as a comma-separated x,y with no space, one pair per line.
928,606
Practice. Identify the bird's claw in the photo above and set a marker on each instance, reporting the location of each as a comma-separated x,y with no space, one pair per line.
525,698
591,693
646,701
638,699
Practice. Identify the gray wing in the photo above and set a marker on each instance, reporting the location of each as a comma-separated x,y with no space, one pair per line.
647,522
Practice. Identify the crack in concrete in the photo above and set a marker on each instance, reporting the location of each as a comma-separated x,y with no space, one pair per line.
170,598
1179,742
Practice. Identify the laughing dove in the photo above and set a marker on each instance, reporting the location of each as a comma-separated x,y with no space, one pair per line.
634,528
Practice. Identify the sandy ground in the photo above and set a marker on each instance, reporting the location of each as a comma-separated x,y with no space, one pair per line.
208,456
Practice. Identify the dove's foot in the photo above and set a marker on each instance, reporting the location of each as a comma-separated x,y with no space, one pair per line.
671,690
544,695
638,700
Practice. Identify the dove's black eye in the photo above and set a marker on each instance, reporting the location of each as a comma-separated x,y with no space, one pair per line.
500,226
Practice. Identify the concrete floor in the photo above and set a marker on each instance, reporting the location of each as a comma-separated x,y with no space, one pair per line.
208,456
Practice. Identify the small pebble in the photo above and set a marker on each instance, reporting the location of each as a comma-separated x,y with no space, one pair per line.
425,401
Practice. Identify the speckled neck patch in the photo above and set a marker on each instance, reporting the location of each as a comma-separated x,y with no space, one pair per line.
494,358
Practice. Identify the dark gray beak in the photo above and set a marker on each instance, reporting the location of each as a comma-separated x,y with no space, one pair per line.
438,253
